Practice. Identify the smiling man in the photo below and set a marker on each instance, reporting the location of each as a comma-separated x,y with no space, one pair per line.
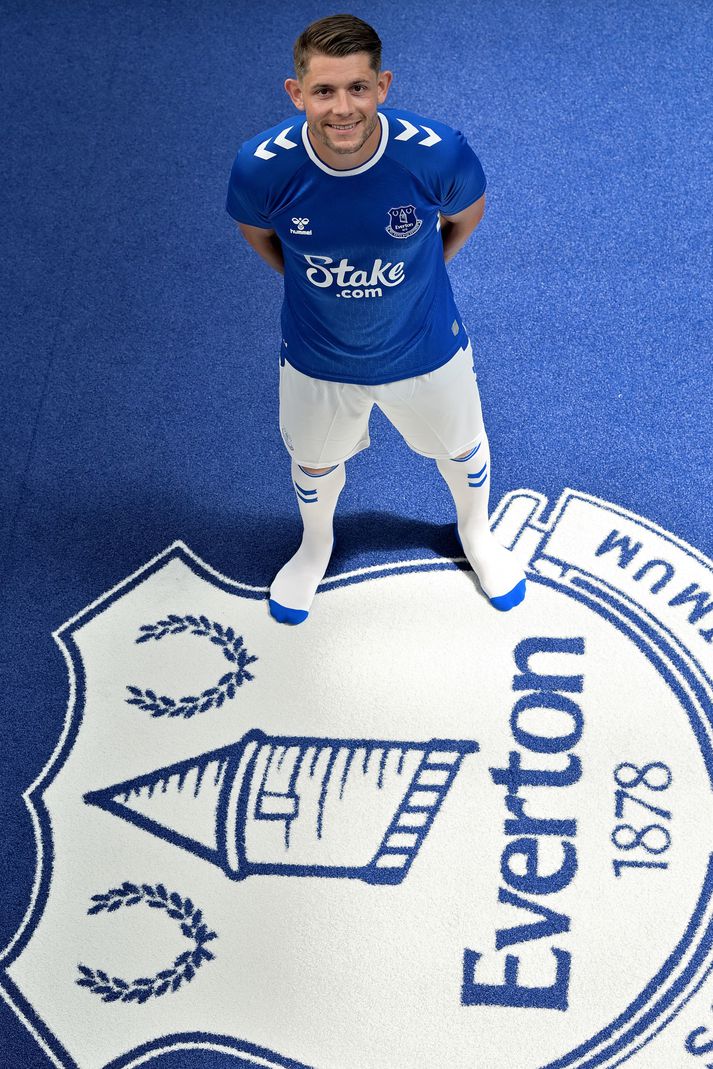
360,207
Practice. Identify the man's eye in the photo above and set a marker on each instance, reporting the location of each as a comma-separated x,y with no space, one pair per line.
320,92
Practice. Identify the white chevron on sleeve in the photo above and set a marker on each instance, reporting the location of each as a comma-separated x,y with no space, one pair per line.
409,131
432,139
262,152
282,140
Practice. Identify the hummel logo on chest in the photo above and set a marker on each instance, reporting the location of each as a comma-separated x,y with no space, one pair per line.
300,224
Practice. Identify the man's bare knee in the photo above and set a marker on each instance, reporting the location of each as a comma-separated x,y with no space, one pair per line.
470,452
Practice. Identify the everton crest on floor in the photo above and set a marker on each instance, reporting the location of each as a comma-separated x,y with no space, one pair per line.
416,844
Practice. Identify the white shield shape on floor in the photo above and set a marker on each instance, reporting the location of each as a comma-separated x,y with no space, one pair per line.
388,836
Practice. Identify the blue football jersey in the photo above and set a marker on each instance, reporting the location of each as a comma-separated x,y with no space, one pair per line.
367,295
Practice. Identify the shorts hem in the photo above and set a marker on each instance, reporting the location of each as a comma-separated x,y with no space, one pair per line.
447,456
363,444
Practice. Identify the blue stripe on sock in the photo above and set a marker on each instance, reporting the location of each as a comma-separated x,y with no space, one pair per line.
477,474
462,460
308,496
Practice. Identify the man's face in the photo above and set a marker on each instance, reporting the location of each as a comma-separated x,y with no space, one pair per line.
340,91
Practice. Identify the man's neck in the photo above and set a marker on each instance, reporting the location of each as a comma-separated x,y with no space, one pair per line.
347,161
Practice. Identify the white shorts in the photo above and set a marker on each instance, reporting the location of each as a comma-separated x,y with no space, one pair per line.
438,414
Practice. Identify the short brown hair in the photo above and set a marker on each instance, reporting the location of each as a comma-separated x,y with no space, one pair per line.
337,35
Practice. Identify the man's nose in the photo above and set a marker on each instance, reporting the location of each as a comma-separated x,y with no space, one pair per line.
342,103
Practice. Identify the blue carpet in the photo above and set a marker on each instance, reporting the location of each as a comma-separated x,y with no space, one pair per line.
140,365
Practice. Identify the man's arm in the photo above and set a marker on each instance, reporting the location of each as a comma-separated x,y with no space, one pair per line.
266,243
456,229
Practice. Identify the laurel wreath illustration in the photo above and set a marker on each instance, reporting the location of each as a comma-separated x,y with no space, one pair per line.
113,988
233,650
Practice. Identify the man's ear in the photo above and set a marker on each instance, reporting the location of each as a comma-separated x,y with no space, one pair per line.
382,86
294,91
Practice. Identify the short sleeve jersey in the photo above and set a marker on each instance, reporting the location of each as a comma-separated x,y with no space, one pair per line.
367,295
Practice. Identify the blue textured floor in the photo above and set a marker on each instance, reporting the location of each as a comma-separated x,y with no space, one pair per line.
140,364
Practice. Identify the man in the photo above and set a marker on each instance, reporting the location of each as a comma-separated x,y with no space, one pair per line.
360,207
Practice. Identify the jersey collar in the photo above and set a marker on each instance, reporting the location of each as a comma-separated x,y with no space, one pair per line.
354,170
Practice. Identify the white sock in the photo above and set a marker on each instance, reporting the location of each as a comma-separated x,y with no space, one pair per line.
499,573
293,588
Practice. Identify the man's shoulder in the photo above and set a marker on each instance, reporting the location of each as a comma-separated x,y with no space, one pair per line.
263,166
403,117
438,156
427,146
272,151
412,133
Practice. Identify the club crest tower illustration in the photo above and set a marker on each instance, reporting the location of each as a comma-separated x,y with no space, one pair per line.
297,806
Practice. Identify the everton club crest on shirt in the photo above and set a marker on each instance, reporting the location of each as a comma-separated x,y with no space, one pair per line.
404,223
